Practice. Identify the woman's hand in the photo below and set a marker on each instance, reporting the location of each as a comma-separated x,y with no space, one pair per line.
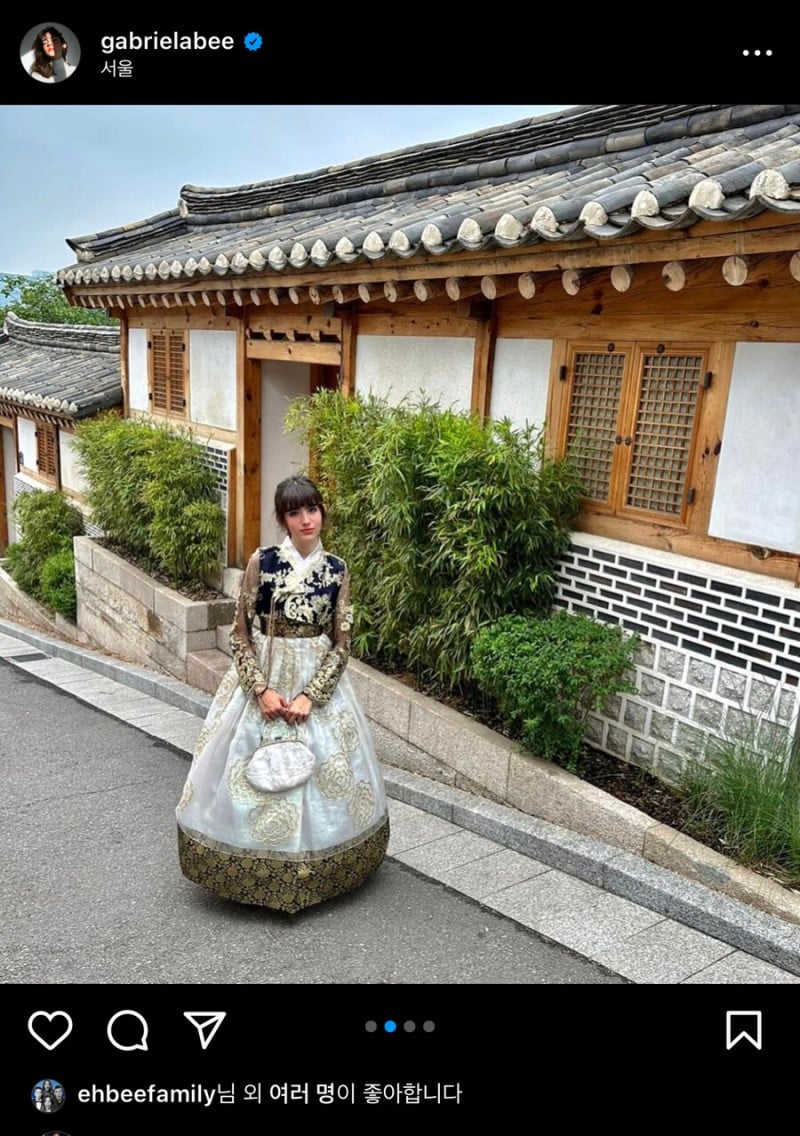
298,709
272,704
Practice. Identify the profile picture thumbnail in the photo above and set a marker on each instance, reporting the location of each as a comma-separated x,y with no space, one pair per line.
50,53
48,1096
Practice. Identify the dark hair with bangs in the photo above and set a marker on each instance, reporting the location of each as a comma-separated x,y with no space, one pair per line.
296,492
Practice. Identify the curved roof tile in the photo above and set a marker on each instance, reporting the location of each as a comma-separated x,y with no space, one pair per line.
68,369
601,172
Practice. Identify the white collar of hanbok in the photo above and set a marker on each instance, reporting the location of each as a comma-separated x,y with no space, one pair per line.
301,564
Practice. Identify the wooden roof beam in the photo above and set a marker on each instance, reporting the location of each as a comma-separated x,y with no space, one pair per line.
622,277
575,279
344,293
462,287
527,285
426,290
319,296
395,290
494,286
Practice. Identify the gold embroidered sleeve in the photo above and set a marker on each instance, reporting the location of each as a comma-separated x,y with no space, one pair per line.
244,654
324,681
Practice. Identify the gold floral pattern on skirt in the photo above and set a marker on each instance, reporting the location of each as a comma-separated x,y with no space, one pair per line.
335,777
186,795
229,683
239,787
276,821
345,729
288,884
361,805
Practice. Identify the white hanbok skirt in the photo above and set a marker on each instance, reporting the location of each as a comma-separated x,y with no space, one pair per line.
293,849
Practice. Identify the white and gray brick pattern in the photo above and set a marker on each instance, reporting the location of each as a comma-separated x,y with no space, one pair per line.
718,648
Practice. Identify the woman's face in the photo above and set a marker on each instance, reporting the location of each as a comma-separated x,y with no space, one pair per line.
52,45
303,526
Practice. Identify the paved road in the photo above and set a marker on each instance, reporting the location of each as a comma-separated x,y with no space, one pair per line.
95,895
92,771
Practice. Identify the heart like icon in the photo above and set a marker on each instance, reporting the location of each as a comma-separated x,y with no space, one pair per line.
56,1014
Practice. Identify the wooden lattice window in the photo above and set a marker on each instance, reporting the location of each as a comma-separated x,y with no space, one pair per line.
630,425
167,353
593,412
46,451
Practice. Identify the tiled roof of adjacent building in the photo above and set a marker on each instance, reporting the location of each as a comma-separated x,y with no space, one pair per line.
600,172
66,369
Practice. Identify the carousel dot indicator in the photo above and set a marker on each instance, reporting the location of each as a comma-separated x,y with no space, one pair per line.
390,1026
370,1027
409,1027
429,1027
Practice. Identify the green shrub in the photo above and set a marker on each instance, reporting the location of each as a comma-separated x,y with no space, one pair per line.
152,494
47,523
115,454
447,523
23,568
547,674
749,786
186,541
58,583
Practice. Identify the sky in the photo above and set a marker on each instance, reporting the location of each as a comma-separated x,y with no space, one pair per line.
68,171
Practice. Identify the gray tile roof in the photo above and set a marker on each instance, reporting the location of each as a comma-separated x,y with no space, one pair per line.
71,370
599,171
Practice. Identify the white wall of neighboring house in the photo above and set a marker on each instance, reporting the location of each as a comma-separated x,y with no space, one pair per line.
26,436
72,478
520,378
9,459
212,378
397,366
137,369
281,455
757,497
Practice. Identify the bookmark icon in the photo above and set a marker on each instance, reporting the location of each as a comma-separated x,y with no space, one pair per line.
206,1022
742,1025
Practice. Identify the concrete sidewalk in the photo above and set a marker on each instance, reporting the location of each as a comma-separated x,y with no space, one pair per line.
644,923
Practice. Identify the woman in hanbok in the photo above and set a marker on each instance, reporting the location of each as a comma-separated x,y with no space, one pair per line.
286,850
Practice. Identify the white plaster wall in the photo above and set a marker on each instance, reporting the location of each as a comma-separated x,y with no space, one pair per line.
281,455
71,475
9,459
137,369
26,436
756,498
212,378
520,379
397,366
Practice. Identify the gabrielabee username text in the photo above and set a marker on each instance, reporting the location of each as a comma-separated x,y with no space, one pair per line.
165,41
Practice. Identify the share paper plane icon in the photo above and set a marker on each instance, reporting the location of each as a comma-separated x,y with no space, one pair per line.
206,1022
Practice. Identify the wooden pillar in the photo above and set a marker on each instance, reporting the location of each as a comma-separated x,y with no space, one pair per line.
123,364
248,451
482,365
3,515
349,336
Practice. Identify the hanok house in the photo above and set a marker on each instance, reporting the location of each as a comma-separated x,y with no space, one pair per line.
51,376
627,275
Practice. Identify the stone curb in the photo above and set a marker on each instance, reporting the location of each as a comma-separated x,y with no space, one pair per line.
475,757
163,687
621,873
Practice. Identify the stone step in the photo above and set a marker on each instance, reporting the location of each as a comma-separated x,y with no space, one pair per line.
205,669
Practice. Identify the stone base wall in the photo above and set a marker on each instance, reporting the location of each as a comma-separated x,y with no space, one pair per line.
129,613
17,605
718,648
